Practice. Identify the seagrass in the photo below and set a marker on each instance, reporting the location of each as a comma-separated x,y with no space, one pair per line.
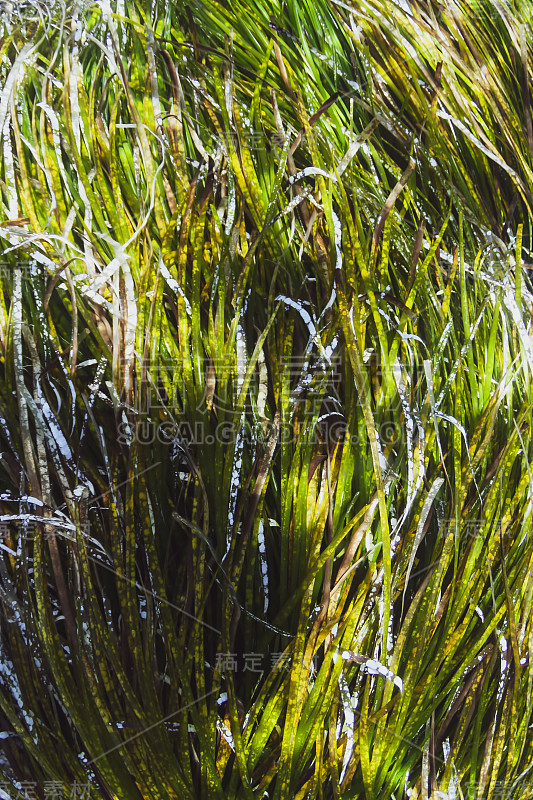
265,400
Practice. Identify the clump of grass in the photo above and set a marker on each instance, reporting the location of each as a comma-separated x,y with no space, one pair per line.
265,410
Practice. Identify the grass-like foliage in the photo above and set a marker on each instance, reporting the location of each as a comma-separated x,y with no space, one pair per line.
265,400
